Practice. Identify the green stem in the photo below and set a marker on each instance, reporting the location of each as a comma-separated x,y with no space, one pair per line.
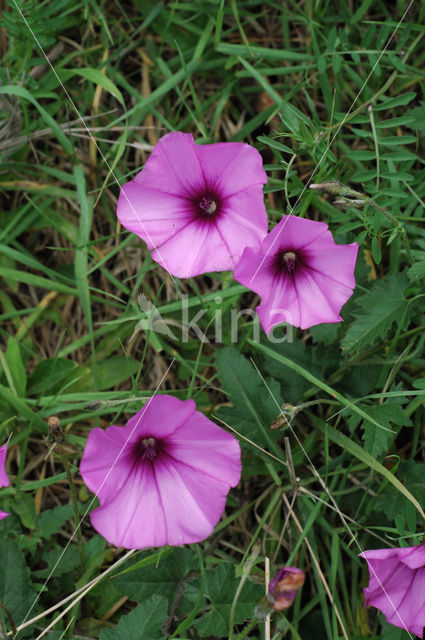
75,505
247,629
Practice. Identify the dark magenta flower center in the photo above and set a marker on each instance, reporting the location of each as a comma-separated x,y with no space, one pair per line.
207,205
146,449
288,262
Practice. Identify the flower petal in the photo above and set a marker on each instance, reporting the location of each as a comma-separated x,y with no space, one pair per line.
105,466
151,214
3,514
315,290
192,501
173,166
281,305
198,248
161,416
334,261
205,447
244,222
231,166
4,480
316,304
295,233
134,518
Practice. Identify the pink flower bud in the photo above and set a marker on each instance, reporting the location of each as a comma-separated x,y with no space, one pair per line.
284,586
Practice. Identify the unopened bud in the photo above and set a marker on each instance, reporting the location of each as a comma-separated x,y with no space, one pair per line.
284,586
55,430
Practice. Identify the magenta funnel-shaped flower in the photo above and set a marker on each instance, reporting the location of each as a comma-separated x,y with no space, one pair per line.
163,478
4,480
302,276
397,586
196,206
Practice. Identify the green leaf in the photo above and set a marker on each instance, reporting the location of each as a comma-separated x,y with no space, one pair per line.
417,271
143,623
23,506
412,475
59,561
16,591
51,521
388,414
254,409
110,372
398,101
376,250
220,589
163,578
49,374
418,118
379,308
361,154
395,122
23,410
347,444
293,366
16,366
364,176
51,122
95,76
399,156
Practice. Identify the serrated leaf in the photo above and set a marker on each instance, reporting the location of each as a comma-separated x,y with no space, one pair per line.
51,521
16,591
162,579
412,475
254,408
380,307
418,118
220,589
145,622
389,414
59,562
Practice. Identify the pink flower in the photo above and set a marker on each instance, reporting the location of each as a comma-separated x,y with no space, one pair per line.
161,479
397,586
302,276
4,480
196,206
284,586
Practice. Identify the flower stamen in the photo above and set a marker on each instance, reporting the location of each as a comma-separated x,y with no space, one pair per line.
290,260
146,449
207,205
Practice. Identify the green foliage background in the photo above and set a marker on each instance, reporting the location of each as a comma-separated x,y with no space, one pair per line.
330,419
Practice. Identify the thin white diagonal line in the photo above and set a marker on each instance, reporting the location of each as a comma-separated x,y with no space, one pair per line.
142,412
332,499
90,135
343,121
